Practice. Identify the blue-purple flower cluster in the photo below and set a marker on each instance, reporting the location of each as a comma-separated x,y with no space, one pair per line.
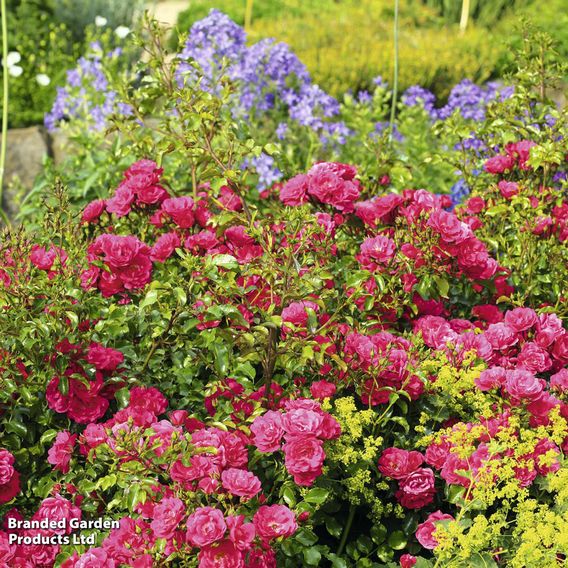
469,99
87,95
267,74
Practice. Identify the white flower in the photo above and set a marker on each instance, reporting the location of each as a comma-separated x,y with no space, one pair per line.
100,21
15,70
12,58
122,31
43,79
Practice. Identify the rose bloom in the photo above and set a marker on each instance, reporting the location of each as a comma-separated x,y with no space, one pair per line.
534,358
417,490
499,164
58,508
294,191
166,517
322,389
449,227
521,319
399,464
93,211
241,482
425,531
180,209
407,561
501,335
268,431
302,422
491,378
205,526
222,555
95,557
303,458
104,358
164,247
9,477
521,383
59,455
508,188
273,521
242,533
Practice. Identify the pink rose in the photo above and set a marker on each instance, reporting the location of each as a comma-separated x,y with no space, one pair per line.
222,555
376,251
296,314
95,557
407,561
104,358
59,455
241,482
417,489
166,517
501,336
559,381
121,202
328,185
274,521
508,188
93,211
241,533
303,458
449,227
180,209
294,191
205,526
534,358
521,319
9,477
164,247
426,531
322,389
499,164
7,549
57,509
560,348
399,464
268,431
522,384
148,398
491,378
301,422
436,454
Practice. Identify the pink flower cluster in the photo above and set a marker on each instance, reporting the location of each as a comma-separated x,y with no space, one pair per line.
516,155
127,264
304,426
9,477
83,400
386,363
328,183
415,484
522,350
45,544
443,457
432,237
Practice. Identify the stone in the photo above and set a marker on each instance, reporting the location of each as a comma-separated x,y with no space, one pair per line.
26,150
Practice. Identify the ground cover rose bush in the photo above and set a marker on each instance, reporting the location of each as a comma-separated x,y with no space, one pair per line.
323,372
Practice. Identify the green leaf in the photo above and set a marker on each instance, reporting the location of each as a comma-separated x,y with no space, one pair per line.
317,495
337,561
312,556
225,261
150,298
397,540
